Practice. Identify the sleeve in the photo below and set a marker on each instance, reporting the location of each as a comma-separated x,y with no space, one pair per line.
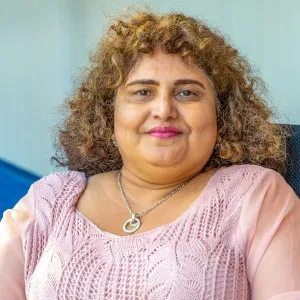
12,227
269,231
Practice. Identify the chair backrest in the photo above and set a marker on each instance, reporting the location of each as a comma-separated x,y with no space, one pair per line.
14,184
292,175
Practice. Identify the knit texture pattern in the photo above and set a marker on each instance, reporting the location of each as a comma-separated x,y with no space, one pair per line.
195,257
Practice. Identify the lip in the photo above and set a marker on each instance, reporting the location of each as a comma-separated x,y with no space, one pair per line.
164,132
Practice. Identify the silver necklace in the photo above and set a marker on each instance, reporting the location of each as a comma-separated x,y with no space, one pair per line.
134,221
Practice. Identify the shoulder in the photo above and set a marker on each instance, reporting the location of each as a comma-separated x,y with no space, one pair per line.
57,180
267,197
268,207
258,184
56,193
255,184
246,170
246,188
59,184
248,176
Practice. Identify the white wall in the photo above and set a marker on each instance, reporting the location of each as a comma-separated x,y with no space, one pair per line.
45,43
37,59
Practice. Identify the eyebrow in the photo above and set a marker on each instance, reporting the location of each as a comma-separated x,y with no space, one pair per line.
177,82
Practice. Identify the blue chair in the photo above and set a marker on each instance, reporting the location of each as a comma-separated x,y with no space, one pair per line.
14,184
292,175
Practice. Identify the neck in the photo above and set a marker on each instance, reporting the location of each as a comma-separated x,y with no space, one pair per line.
143,192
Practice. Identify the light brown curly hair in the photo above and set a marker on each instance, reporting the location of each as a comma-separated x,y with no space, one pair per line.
245,133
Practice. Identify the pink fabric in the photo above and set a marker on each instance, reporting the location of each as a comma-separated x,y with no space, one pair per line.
240,239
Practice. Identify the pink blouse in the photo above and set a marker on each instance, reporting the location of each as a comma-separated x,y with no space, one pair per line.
240,239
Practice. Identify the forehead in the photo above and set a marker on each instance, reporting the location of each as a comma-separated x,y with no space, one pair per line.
164,66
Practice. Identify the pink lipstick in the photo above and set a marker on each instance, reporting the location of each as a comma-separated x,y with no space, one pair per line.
162,132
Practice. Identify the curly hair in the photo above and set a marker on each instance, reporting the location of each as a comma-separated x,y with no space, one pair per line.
246,134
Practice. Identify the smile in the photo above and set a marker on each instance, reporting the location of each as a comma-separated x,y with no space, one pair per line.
164,132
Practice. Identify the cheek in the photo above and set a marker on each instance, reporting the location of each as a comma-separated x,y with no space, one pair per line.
128,119
203,119
123,115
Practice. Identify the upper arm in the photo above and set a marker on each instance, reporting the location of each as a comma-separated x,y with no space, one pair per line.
278,272
12,227
270,227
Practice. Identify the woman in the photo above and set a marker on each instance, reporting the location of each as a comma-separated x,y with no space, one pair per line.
184,199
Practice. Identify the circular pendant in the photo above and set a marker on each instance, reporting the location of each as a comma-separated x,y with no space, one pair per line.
134,223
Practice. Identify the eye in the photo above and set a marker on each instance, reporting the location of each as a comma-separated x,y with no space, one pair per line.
143,93
186,93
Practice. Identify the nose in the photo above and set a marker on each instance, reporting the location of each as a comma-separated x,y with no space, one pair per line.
164,108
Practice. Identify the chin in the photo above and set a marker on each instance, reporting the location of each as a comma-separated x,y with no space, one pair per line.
162,163
164,160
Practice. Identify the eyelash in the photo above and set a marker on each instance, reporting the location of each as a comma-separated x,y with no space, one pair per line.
190,93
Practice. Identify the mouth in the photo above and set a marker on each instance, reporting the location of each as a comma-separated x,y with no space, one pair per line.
162,132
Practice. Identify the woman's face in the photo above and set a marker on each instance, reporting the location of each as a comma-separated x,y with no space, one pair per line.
165,115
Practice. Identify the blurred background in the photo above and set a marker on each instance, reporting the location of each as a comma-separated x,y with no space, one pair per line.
45,46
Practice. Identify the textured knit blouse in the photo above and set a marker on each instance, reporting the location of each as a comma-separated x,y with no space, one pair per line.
239,239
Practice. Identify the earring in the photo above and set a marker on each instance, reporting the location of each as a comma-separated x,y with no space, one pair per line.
113,140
